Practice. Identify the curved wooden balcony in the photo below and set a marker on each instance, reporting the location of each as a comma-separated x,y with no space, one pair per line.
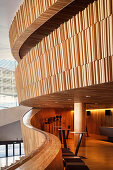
31,16
37,19
70,61
42,149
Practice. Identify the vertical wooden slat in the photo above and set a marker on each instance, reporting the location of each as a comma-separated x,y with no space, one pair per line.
108,37
80,48
86,18
80,21
72,51
73,26
89,44
77,54
95,11
98,41
68,53
84,48
77,58
93,42
77,23
111,33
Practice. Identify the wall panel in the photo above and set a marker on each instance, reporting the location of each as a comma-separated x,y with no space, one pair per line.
98,119
77,54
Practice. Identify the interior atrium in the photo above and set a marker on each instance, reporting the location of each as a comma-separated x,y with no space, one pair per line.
56,84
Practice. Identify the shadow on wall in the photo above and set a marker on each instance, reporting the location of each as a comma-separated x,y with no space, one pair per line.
11,132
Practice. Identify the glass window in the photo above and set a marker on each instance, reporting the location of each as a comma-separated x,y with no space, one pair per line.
10,149
22,149
16,149
7,83
2,151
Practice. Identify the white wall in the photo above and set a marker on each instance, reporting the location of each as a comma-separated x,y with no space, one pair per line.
11,131
11,115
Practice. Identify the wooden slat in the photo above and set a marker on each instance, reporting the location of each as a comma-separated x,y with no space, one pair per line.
74,55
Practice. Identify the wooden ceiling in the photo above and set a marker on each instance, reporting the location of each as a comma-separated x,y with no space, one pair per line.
53,23
92,96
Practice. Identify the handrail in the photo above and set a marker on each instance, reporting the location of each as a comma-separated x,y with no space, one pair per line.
44,148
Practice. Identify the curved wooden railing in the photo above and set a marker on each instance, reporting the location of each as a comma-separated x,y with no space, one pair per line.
42,149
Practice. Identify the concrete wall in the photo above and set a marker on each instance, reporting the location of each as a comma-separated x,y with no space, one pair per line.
12,114
11,131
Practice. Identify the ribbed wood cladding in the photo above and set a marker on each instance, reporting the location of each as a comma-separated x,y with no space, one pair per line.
53,23
30,16
33,13
77,54
26,15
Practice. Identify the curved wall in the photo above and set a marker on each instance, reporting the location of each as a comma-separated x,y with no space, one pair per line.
30,16
32,137
42,150
77,54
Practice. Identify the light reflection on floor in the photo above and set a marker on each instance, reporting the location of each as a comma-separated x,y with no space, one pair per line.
99,153
8,161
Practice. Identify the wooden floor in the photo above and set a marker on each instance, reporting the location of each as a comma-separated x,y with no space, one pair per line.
99,154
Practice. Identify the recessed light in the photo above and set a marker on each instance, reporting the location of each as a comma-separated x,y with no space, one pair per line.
69,99
88,96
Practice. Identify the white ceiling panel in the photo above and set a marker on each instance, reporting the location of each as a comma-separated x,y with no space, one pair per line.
8,10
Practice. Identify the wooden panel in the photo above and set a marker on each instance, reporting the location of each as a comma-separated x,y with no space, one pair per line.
101,94
68,12
24,25
98,119
96,68
30,145
42,149
70,60
39,119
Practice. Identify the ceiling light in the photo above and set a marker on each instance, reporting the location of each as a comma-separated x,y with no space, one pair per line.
88,96
56,102
99,109
69,99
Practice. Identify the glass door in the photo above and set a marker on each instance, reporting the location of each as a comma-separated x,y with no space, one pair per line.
2,151
10,149
16,149
22,149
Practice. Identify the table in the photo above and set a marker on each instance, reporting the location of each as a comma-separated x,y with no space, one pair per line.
79,141
59,135
64,137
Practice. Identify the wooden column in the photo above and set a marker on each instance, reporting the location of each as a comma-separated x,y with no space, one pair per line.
79,121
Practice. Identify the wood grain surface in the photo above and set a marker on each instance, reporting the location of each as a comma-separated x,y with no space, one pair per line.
42,149
30,16
74,61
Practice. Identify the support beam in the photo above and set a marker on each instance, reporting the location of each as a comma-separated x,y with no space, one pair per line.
79,121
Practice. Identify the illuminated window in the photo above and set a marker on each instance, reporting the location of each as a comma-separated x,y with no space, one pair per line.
8,94
2,151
